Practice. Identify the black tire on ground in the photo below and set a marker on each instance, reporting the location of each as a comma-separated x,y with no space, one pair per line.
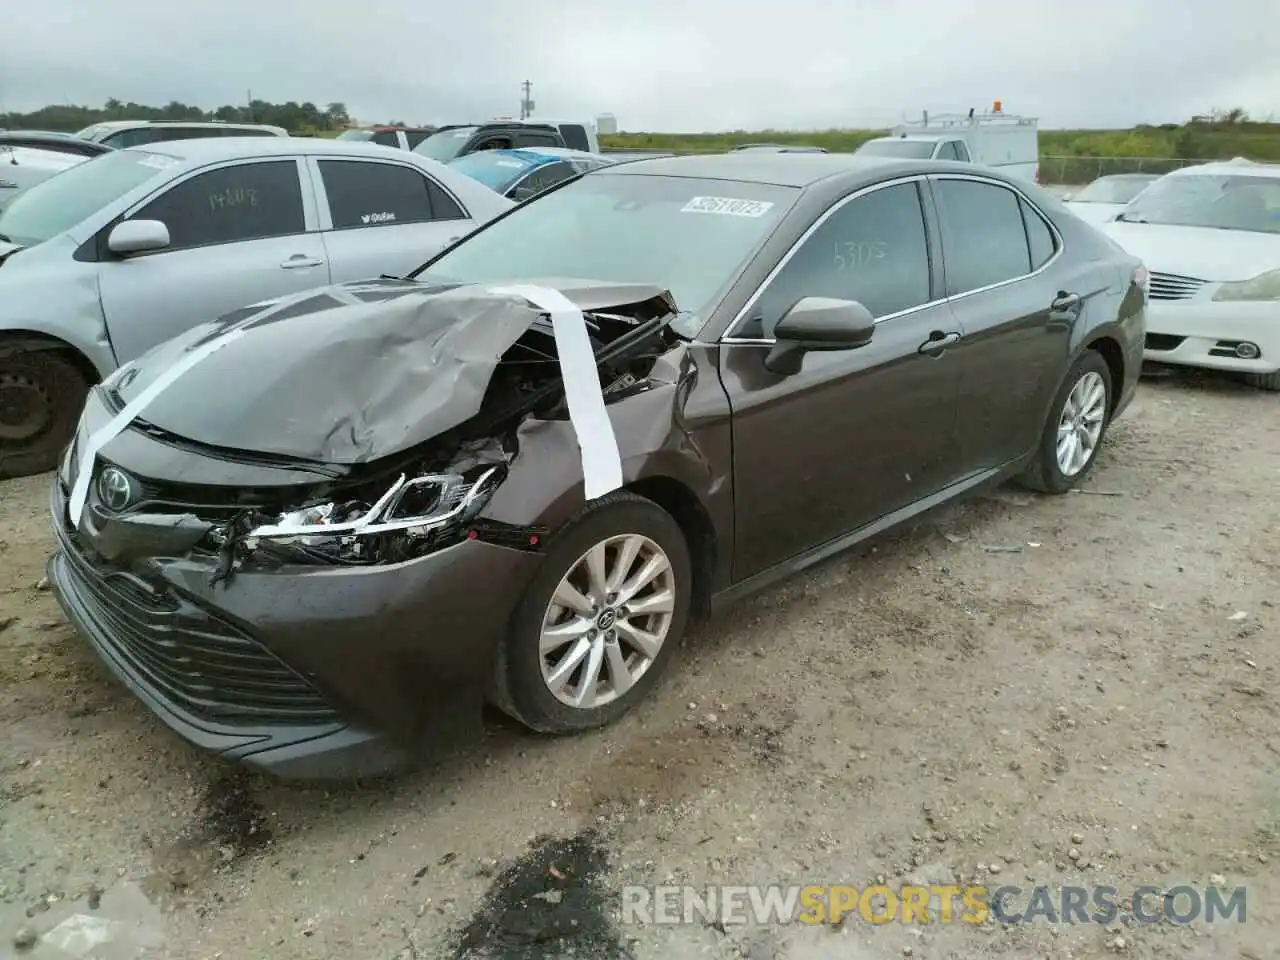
42,393
1043,473
519,689
1263,381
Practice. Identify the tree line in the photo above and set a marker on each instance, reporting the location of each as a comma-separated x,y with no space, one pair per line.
298,118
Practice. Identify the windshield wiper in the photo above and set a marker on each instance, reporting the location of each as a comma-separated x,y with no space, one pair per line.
1126,218
5,239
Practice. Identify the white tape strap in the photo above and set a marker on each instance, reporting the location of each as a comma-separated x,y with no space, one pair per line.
133,409
601,462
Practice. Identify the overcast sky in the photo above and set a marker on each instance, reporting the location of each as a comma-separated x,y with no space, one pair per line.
656,64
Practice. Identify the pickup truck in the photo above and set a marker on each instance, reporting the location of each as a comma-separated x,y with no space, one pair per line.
457,140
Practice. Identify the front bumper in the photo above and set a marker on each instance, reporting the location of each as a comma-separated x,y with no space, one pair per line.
304,672
1204,333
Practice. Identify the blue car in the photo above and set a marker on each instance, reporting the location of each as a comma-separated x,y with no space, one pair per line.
526,172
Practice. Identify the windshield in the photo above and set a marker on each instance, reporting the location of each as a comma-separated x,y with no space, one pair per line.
1221,201
495,169
446,144
910,149
356,135
59,203
690,236
1113,189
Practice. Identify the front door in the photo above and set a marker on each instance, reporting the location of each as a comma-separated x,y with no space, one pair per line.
238,234
380,217
856,434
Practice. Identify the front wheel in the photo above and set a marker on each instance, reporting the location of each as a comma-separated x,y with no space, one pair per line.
601,619
1073,433
1263,381
41,395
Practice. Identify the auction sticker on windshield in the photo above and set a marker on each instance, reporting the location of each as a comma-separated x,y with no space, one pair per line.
727,206
158,161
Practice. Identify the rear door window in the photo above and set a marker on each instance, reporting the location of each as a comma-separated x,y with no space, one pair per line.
542,178
364,194
984,236
575,136
243,201
538,138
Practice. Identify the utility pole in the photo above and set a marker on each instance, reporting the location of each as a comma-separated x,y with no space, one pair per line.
526,102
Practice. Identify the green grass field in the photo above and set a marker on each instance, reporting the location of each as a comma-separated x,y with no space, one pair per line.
1067,156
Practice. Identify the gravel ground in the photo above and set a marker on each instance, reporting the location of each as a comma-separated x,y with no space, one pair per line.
1073,690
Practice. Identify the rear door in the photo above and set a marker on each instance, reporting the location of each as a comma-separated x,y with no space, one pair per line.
239,232
382,217
1003,276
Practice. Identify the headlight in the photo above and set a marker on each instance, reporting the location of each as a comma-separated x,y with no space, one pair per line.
420,509
1265,286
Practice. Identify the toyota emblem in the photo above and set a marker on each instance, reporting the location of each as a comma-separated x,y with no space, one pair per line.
115,489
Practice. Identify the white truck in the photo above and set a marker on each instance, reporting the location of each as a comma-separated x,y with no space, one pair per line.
994,139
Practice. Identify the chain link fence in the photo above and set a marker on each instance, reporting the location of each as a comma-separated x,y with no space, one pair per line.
1078,171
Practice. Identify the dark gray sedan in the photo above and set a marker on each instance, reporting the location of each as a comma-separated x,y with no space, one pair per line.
302,532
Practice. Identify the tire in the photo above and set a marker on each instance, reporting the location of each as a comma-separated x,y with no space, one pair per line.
1263,381
520,689
1045,472
42,393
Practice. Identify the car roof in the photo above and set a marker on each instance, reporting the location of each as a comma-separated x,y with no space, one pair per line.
779,169
208,149
1225,168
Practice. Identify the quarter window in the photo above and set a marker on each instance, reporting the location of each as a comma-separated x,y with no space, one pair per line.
245,201
984,238
386,138
375,194
873,250
1039,237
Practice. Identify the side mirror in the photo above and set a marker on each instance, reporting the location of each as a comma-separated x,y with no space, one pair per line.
138,236
818,323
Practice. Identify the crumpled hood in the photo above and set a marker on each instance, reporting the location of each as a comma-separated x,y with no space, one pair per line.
1202,252
345,374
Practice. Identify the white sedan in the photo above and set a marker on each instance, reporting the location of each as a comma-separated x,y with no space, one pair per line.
22,167
1210,235
1106,197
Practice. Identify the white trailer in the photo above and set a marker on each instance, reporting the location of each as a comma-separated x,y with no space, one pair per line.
997,139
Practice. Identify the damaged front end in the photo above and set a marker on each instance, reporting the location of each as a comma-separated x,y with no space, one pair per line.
295,545
434,494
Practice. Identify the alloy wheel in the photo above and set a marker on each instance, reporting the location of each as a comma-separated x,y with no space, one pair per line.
1080,425
607,621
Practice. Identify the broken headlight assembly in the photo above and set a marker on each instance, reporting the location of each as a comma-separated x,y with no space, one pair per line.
414,516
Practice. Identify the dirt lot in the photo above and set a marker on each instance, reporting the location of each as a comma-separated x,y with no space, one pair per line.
1077,690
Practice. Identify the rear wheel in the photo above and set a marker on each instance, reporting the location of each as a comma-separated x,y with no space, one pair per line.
600,621
41,396
1073,433
1263,381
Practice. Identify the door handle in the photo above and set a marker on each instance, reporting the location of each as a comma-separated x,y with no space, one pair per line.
938,342
1065,302
298,261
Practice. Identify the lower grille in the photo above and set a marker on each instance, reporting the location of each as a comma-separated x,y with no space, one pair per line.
201,664
1171,286
1163,341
